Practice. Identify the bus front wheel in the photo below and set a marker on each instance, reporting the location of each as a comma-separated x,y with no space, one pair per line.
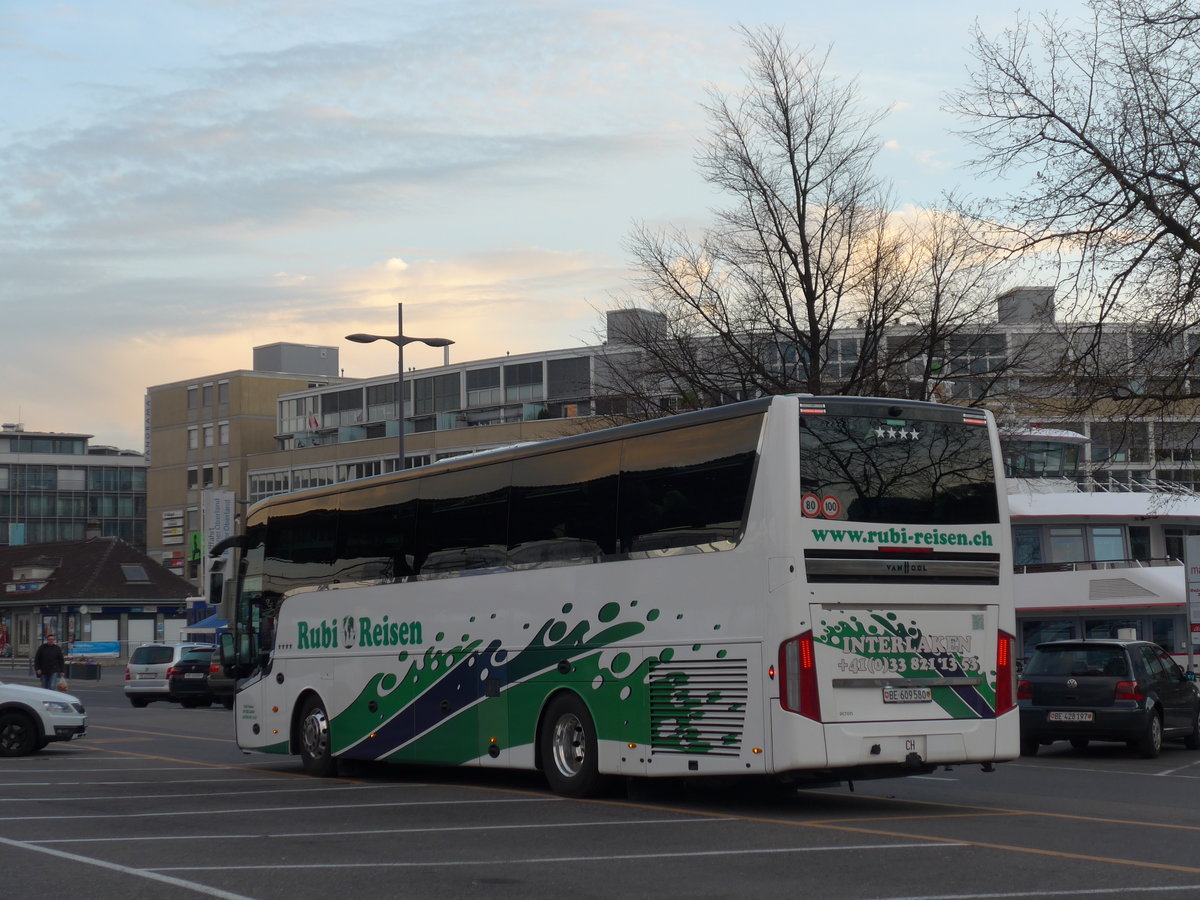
315,751
569,748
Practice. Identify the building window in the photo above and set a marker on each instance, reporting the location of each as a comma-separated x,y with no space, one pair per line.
208,435
569,378
193,438
381,401
208,476
193,476
441,393
207,396
342,408
72,479
223,428
223,474
193,397
523,383
223,392
483,386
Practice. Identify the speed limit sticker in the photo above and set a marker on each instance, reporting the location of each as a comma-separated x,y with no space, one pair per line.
830,507
810,505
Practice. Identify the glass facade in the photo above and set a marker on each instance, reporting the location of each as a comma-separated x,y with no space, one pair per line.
44,499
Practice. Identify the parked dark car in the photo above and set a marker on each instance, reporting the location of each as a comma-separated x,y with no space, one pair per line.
188,678
1100,690
221,686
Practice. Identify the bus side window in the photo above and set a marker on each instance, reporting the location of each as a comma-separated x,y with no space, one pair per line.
563,507
377,534
687,488
463,520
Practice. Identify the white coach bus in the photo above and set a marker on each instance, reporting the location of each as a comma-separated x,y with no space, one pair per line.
784,586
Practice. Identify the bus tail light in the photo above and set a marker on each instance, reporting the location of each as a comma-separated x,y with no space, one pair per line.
798,677
1005,674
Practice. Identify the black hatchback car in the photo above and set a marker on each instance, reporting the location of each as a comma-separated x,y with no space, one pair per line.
1099,690
188,678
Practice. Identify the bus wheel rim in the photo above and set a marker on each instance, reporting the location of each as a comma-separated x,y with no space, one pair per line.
568,745
315,733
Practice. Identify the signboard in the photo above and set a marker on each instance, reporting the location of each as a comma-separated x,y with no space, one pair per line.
95,648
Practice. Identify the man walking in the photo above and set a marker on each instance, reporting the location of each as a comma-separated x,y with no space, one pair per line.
49,663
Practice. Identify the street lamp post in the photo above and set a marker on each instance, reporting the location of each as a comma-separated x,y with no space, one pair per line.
400,340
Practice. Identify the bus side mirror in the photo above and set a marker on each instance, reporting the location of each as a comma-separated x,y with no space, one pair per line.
225,649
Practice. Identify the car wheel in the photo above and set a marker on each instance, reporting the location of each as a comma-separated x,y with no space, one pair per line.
569,748
1029,747
1192,741
18,734
313,731
138,702
1150,744
1079,743
188,703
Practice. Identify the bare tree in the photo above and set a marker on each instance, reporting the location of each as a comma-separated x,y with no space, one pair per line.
1101,124
804,277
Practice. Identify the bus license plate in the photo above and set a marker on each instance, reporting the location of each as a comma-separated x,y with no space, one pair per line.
907,695
1065,716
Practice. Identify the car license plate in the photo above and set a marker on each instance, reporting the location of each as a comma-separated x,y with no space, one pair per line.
1066,716
193,674
907,694
146,675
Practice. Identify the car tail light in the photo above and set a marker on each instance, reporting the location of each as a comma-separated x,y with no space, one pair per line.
1024,690
172,672
798,677
1128,690
1005,673
128,676
214,668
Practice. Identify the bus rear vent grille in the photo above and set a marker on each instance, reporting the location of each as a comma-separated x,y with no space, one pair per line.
698,706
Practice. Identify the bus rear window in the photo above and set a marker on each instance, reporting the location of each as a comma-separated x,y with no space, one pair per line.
910,471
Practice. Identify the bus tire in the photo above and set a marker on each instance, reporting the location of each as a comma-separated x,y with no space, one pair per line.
569,748
312,732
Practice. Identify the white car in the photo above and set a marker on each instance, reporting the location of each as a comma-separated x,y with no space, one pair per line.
148,678
31,717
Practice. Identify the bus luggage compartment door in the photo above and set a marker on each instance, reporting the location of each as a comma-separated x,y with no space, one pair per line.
910,664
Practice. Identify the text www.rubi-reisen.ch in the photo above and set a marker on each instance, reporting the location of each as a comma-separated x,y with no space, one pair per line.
902,537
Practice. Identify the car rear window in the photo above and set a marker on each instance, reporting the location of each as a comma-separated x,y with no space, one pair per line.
152,656
196,656
1078,661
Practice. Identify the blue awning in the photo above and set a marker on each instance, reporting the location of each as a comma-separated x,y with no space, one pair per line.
211,625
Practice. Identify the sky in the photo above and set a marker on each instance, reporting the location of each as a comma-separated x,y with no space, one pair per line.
184,180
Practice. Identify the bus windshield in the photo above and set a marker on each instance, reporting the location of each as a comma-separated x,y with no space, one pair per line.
933,471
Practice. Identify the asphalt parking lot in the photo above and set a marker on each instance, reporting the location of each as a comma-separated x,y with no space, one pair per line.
160,803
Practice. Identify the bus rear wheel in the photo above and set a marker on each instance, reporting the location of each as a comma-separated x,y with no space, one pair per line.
313,733
570,749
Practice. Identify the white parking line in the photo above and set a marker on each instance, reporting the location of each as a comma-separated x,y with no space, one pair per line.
542,860
222,781
1076,892
452,828
75,817
148,874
